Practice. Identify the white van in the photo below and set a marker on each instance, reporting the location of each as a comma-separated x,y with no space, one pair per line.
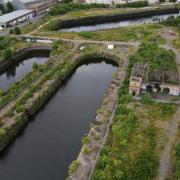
1,28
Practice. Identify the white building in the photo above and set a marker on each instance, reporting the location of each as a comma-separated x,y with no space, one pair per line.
110,1
16,17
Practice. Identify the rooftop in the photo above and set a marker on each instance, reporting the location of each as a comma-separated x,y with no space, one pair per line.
14,15
140,70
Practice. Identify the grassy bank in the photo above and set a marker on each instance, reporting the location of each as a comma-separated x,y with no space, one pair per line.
145,33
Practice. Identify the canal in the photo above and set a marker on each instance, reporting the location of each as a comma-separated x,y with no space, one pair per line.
52,139
16,72
113,25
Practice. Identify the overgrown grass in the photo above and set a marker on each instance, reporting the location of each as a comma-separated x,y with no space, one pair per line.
131,151
158,58
145,33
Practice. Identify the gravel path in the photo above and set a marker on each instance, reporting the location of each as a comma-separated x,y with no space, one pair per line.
81,41
165,168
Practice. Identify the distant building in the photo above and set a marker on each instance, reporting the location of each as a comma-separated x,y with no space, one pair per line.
16,17
38,5
111,1
142,80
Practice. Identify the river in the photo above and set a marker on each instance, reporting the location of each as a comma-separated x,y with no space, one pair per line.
113,25
16,72
52,139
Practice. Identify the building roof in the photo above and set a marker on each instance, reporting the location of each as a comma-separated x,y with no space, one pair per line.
14,15
140,70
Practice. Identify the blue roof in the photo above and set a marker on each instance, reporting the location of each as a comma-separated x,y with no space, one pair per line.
14,15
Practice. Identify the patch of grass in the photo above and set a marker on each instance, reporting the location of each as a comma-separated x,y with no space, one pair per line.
145,33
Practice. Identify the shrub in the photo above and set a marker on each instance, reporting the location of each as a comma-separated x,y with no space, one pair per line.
147,99
98,174
72,168
17,30
2,133
10,7
145,166
11,31
133,4
35,66
19,109
52,26
8,54
86,150
85,140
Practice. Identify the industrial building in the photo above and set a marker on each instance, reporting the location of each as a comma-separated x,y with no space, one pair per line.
37,5
143,80
16,17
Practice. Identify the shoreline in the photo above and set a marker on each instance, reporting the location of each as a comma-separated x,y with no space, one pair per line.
19,55
94,20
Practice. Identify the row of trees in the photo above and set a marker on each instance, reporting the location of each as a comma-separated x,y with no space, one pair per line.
66,7
133,4
9,8
172,21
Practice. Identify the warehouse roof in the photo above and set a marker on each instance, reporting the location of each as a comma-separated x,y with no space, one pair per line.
14,15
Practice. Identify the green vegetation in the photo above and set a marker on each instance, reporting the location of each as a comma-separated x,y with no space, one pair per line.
131,151
66,7
1,9
74,165
147,99
8,54
145,33
133,4
17,30
172,21
177,163
10,7
6,50
156,57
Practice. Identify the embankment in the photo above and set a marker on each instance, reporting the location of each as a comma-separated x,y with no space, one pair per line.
23,53
34,99
112,18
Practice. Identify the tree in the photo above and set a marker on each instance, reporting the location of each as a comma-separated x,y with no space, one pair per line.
17,30
10,7
8,54
2,8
